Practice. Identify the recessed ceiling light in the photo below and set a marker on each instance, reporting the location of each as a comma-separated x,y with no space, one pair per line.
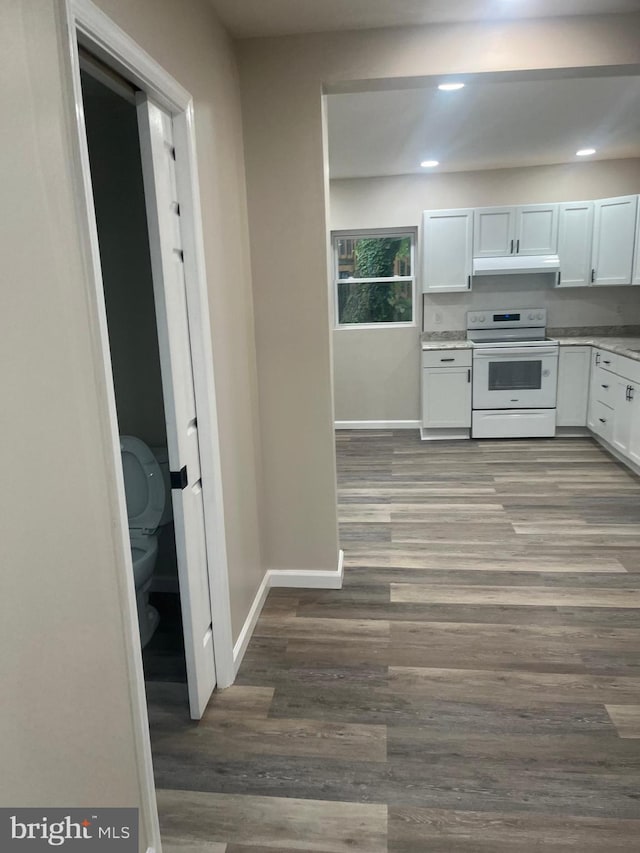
585,152
450,87
429,164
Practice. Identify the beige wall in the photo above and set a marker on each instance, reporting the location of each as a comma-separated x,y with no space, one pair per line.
282,81
66,724
361,357
398,201
376,374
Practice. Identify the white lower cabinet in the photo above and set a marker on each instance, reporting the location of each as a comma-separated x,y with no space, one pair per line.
446,397
446,391
614,403
574,367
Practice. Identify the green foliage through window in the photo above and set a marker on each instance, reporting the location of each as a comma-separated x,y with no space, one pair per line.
375,301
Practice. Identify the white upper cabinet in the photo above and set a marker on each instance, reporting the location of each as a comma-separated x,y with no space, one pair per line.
537,229
447,241
530,229
493,232
575,233
613,240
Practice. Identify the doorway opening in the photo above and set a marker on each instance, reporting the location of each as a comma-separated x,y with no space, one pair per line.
149,322
119,200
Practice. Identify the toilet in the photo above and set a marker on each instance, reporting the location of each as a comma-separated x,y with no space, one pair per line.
148,493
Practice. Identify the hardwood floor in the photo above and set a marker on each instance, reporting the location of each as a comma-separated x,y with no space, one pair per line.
473,688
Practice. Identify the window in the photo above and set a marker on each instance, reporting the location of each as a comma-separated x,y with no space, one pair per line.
374,278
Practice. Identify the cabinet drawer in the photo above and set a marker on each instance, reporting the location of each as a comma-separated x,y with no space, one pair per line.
446,358
606,360
603,386
603,420
629,368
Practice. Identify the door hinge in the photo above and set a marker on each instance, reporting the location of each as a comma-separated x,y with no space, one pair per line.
172,151
179,479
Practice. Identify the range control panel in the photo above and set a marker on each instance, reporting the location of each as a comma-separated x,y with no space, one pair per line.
512,318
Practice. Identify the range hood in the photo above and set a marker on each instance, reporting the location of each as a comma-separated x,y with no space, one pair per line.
516,265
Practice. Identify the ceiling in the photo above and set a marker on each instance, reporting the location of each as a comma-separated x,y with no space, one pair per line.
486,125
248,18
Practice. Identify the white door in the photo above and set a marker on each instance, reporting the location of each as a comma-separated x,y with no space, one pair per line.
575,234
537,229
636,253
493,232
163,217
574,366
517,378
447,245
623,408
613,239
634,437
446,397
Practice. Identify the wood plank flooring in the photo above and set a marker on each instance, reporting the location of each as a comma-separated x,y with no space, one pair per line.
473,688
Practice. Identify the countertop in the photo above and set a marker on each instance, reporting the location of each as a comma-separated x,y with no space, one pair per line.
627,346
621,346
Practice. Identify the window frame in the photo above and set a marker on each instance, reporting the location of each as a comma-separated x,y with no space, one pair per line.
358,234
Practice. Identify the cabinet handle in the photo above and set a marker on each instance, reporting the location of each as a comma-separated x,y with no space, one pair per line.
468,282
511,252
606,362
604,386
602,420
518,247
593,275
559,278
447,359
597,358
468,375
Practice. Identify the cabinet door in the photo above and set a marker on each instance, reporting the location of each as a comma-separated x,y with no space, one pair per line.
613,239
636,251
574,368
622,406
537,229
447,245
446,397
493,232
575,234
634,430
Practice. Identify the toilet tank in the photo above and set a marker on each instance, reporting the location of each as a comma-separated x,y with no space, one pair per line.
162,455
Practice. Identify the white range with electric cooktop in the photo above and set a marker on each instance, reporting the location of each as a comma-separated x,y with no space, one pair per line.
515,374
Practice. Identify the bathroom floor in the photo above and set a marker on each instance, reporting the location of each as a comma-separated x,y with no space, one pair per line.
163,657
473,688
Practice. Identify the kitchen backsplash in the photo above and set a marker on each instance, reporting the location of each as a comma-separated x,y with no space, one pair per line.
568,308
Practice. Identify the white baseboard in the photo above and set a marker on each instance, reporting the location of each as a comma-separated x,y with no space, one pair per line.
319,579
443,434
242,642
314,579
377,424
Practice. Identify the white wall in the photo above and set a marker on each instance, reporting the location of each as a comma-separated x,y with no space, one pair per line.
66,727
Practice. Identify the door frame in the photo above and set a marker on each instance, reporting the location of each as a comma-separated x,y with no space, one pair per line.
87,25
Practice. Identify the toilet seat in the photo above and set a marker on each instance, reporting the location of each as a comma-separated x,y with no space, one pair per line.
144,485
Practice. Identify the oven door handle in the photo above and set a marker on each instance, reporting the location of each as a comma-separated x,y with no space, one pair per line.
506,354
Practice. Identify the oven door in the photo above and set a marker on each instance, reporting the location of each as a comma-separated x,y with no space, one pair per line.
515,377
